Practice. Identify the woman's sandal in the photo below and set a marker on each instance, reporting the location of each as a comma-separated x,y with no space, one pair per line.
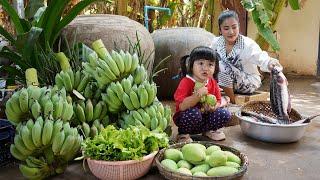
217,135
184,138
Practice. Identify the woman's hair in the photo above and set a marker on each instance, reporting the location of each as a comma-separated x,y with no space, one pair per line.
225,15
200,52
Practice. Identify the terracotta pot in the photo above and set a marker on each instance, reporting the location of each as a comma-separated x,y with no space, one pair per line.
176,42
114,31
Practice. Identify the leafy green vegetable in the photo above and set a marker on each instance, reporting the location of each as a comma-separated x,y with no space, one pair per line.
119,145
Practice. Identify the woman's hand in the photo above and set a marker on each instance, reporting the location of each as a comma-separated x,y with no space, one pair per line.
272,63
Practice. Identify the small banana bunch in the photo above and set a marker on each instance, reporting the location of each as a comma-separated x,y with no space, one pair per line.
66,142
53,102
106,67
113,97
72,81
140,75
35,168
88,112
140,96
34,101
95,128
152,117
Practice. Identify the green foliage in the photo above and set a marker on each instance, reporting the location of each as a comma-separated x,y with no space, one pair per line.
294,4
36,36
264,16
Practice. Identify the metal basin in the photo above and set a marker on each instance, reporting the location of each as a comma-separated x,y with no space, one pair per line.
275,133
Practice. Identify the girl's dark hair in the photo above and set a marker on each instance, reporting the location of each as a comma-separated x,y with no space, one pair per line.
200,52
227,14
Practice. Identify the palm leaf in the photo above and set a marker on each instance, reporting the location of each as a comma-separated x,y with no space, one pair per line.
13,56
14,74
51,17
70,16
7,35
32,7
28,41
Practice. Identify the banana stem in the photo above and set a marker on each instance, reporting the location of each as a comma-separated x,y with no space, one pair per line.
63,60
32,77
100,49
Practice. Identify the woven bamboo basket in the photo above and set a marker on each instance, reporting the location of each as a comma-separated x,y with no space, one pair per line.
179,176
264,107
121,170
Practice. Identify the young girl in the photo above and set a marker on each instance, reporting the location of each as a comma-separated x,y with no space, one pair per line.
240,57
201,66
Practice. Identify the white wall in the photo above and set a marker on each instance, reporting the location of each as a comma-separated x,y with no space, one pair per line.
298,36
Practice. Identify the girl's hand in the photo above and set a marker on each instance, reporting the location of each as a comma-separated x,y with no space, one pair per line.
210,108
202,91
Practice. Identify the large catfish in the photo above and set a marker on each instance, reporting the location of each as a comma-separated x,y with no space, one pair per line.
279,95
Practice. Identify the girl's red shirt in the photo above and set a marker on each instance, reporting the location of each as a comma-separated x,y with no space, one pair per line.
185,89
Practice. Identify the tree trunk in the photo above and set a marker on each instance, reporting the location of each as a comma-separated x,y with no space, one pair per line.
209,24
122,7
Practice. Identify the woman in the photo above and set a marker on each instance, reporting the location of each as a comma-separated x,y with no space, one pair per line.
239,58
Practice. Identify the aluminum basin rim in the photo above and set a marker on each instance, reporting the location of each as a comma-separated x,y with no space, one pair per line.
270,125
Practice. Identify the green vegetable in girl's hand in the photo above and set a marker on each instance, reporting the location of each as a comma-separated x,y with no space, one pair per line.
211,100
124,144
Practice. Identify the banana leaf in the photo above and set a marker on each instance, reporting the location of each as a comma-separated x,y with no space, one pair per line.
294,4
13,15
265,32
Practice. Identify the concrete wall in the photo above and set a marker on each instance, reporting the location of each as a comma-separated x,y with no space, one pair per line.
298,33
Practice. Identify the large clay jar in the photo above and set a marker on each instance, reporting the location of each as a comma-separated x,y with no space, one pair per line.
176,43
115,32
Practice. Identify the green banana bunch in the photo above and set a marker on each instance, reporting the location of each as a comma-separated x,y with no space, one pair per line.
88,112
72,80
139,96
96,127
65,141
107,67
35,102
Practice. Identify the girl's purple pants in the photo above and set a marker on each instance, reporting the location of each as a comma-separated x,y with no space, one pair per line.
193,121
